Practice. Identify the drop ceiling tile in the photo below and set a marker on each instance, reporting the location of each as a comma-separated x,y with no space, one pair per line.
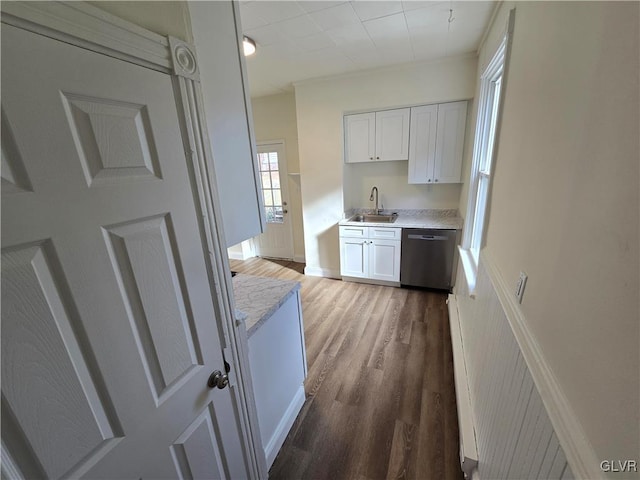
350,35
314,6
434,17
249,18
272,12
408,5
267,35
368,10
297,27
392,27
335,17
318,41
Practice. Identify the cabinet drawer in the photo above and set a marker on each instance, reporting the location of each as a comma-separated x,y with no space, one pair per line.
385,233
354,232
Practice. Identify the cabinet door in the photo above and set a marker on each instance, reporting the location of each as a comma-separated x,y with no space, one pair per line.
452,119
227,107
422,143
384,260
359,137
354,258
392,134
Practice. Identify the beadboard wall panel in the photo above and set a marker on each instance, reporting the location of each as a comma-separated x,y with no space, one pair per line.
515,437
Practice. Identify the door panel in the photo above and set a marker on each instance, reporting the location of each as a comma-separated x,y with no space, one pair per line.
106,295
422,148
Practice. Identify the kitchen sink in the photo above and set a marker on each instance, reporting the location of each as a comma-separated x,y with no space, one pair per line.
371,218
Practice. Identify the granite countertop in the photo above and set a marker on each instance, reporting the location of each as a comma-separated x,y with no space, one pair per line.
257,298
440,219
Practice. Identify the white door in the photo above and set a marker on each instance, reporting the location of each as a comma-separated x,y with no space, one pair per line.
392,134
277,239
109,327
360,137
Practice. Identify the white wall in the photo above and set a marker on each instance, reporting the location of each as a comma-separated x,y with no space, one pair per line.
565,204
394,191
320,106
274,118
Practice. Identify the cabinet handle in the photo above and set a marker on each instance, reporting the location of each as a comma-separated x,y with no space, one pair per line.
436,179
429,180
377,158
370,158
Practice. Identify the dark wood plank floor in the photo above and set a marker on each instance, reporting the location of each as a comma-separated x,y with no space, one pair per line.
380,391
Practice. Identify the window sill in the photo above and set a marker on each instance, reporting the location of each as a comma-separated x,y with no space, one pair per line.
470,269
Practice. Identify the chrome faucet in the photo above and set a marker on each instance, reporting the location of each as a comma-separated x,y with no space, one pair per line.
375,189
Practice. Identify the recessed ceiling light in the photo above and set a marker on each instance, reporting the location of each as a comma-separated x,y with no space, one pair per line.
249,46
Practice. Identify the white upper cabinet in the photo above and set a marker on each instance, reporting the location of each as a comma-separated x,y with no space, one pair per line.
437,142
216,31
377,136
392,134
422,150
360,137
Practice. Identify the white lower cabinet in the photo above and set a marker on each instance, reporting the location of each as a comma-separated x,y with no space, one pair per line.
370,253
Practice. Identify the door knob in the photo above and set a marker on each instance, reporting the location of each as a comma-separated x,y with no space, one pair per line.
284,203
218,379
285,211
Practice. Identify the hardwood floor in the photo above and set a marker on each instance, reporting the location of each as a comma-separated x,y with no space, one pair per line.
380,391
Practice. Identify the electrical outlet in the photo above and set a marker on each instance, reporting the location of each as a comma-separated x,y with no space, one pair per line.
522,281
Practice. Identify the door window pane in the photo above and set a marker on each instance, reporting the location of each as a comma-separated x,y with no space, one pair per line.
270,178
275,179
266,179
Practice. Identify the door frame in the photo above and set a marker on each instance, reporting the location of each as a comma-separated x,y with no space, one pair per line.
284,179
88,27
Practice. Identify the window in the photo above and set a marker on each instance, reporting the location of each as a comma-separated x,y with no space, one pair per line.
488,112
270,178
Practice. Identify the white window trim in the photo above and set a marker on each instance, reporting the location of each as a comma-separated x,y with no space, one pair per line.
497,67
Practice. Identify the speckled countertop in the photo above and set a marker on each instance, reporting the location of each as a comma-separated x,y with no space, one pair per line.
259,297
441,219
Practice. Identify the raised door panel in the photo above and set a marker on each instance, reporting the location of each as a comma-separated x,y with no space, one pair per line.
385,260
422,143
354,258
359,137
196,453
14,174
392,134
52,389
452,119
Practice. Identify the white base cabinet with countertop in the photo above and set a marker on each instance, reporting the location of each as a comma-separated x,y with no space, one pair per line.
370,254
277,355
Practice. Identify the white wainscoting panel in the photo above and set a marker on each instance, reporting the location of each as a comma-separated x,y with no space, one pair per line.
514,434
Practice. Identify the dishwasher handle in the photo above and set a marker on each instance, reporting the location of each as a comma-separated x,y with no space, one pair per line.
427,237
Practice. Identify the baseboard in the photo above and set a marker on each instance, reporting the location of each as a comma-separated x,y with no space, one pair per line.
322,272
238,256
282,430
574,442
299,259
371,281
466,423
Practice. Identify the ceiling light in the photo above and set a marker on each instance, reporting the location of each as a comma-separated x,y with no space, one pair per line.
249,46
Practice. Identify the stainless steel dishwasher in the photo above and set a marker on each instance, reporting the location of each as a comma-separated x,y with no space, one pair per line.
428,257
